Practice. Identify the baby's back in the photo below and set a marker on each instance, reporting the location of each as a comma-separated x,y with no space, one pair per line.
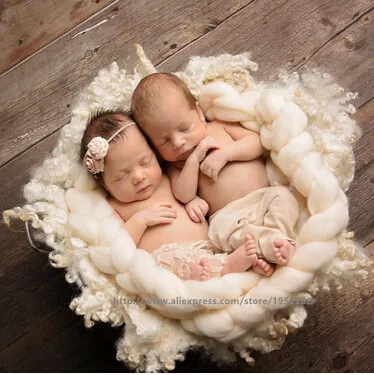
235,180
181,229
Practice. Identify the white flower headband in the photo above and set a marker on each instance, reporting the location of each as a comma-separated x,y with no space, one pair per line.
97,149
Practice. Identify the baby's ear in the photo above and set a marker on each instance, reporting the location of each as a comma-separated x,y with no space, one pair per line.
200,112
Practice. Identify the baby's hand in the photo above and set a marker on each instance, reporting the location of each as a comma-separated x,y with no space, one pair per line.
159,213
197,209
208,143
213,164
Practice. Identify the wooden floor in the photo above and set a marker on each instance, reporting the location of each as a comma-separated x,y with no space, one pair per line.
51,49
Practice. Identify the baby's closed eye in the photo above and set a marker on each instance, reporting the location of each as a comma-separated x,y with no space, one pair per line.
122,176
185,128
146,160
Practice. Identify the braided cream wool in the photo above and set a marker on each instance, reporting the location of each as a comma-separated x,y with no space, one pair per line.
63,201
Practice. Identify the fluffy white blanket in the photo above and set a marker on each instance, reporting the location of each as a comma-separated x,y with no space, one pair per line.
304,123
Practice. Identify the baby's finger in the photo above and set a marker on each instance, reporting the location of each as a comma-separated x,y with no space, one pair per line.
215,174
215,145
193,216
166,204
202,168
209,172
200,215
165,220
168,214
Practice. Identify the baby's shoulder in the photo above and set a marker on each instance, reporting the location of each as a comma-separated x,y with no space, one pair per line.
118,206
223,124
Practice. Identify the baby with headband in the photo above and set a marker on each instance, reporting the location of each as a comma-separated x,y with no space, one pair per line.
115,151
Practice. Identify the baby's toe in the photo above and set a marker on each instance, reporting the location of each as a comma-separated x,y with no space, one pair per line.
203,262
251,251
278,243
248,237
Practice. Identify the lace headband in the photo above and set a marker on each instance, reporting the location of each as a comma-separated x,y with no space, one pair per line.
97,149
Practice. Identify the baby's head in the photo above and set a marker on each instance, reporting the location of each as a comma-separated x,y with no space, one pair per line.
115,151
167,112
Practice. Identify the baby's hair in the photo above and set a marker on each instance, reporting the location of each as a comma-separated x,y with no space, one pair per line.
104,124
150,91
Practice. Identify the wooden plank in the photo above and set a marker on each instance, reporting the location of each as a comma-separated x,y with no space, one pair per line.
351,50
361,199
364,118
31,289
25,29
279,39
14,176
36,96
61,343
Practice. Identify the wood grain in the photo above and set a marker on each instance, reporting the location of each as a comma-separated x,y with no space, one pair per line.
27,26
36,96
283,34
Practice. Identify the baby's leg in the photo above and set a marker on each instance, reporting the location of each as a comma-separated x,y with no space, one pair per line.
181,259
195,272
277,233
240,260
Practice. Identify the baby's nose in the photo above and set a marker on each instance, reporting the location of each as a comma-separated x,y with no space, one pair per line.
139,176
178,142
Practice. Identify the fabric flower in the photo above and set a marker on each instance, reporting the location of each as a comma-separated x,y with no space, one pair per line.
89,164
98,148
92,165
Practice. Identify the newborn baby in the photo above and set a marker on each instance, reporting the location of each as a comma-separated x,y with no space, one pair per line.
221,162
115,151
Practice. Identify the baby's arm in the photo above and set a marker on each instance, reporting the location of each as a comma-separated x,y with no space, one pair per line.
246,146
137,224
184,182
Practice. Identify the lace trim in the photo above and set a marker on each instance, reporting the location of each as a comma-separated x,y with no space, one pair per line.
177,257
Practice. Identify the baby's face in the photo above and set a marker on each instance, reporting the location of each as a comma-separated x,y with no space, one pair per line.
176,129
131,170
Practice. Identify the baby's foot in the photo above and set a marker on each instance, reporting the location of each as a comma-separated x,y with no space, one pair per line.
195,272
210,267
242,258
283,251
263,268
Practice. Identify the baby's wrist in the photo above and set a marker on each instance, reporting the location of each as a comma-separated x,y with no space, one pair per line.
225,153
141,218
193,158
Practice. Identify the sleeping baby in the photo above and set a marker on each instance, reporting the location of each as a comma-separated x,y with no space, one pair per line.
228,182
116,152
